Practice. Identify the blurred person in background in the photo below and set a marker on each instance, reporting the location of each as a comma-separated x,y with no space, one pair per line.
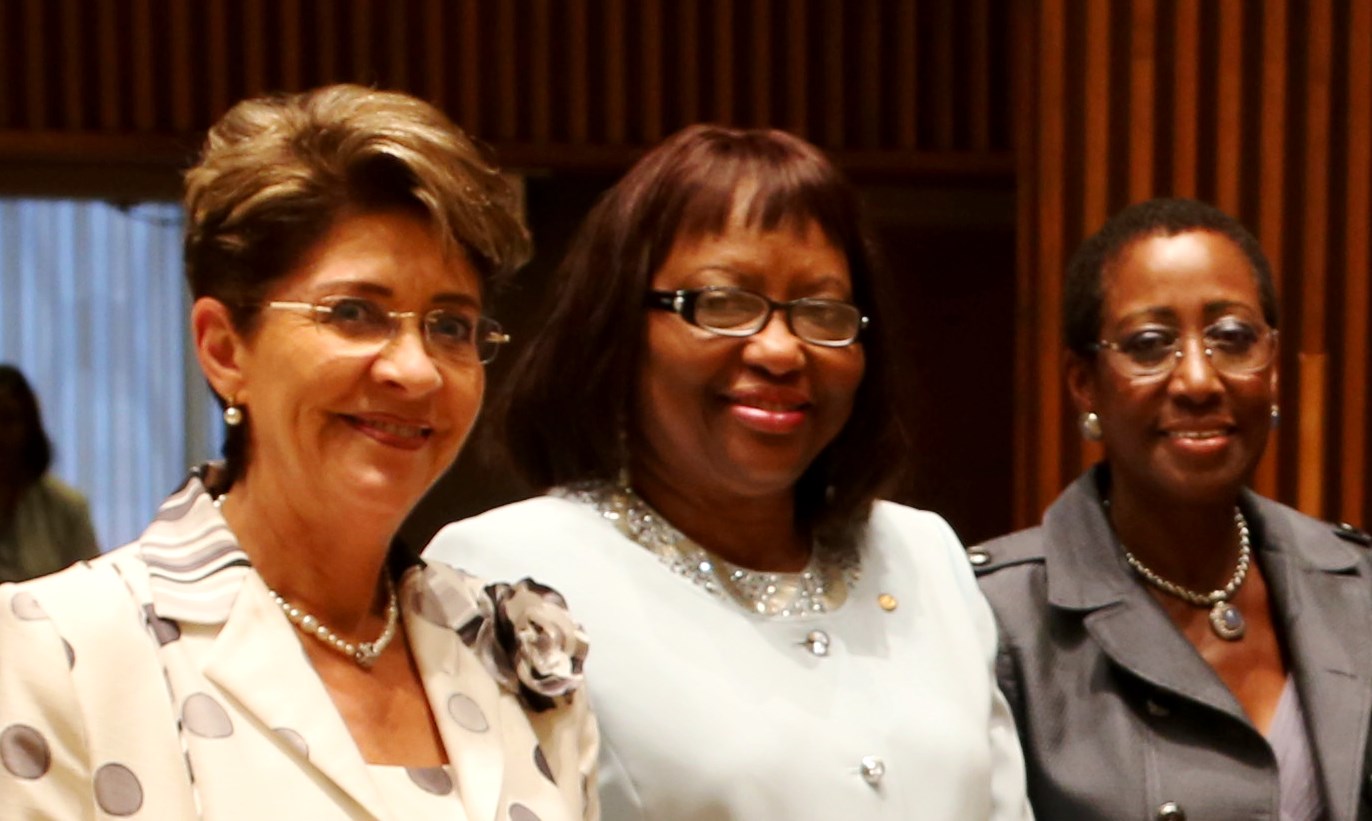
45,524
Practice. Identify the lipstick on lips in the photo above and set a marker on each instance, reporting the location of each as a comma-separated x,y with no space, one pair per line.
774,410
391,430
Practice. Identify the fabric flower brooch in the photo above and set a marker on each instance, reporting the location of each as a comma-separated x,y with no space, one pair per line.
533,647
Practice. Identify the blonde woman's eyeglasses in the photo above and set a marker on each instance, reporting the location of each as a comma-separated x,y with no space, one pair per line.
451,336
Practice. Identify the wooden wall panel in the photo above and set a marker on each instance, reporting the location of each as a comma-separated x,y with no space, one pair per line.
1264,109
1357,261
891,86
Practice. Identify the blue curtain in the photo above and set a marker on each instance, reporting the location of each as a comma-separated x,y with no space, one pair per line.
93,310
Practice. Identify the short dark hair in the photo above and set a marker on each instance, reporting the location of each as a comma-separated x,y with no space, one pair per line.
277,172
562,413
1083,293
35,457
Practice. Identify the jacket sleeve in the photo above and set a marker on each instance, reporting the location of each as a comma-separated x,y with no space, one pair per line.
1009,797
45,770
87,728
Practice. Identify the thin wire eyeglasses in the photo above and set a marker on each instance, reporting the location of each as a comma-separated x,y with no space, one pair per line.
738,312
449,336
1232,347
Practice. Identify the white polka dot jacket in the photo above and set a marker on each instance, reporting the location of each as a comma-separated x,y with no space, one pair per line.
161,681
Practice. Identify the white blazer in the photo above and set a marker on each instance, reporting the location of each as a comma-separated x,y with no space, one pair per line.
162,682
709,712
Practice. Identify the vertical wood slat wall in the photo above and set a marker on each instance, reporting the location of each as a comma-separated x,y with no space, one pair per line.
1264,109
549,83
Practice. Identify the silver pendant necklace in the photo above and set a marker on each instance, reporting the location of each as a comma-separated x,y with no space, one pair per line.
1226,620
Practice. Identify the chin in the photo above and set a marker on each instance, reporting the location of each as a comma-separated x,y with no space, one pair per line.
768,464
384,486
761,481
1218,486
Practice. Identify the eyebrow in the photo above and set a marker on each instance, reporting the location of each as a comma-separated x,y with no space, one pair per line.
754,280
372,289
1209,309
1214,308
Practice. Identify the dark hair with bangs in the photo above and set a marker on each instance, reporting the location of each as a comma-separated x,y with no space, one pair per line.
568,402
1084,292
35,455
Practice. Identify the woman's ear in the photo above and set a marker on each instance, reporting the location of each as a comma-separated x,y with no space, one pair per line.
1081,380
219,348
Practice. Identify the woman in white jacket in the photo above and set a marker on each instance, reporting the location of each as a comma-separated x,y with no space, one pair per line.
266,649
709,404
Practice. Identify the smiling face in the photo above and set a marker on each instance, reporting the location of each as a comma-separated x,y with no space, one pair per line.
1196,434
356,425
742,417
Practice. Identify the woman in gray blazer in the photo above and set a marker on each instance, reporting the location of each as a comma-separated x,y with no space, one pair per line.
1173,645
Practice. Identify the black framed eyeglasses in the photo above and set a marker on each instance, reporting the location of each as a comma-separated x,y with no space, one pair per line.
449,335
1233,346
729,311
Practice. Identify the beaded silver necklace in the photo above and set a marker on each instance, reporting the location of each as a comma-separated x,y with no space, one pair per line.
820,588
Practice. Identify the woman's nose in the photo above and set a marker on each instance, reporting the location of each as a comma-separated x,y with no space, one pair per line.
1195,372
775,348
405,362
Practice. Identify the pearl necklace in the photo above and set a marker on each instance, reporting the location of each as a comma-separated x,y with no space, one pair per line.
1225,619
820,588
364,653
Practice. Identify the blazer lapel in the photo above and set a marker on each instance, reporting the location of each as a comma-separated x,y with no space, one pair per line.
198,574
1326,609
1087,573
257,660
466,702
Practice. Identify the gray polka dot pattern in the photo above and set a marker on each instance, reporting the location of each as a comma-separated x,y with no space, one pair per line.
431,779
467,713
294,739
541,762
24,752
117,790
166,630
204,716
519,812
26,607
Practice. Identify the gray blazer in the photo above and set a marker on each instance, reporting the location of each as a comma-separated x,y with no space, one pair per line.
1120,717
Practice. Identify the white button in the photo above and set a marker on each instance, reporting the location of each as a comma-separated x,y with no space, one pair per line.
817,642
1171,811
872,769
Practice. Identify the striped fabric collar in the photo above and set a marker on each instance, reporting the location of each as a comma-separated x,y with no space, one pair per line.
195,568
